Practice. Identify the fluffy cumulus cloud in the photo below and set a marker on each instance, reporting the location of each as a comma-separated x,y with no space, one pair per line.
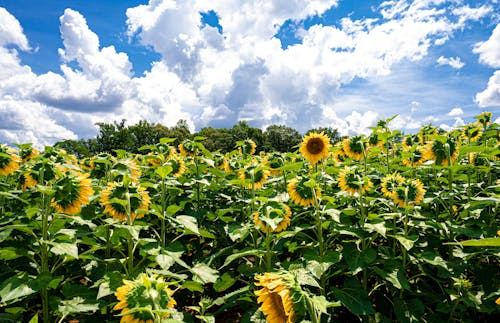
489,54
454,62
215,77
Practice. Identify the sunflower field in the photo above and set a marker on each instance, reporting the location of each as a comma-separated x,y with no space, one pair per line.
384,227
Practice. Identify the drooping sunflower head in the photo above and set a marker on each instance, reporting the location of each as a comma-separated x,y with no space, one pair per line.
145,292
247,147
426,132
117,197
390,183
375,139
27,181
273,215
484,119
9,160
177,164
410,141
275,161
276,296
442,152
72,190
188,148
315,147
409,192
254,175
352,181
413,157
339,155
303,191
355,147
27,151
471,132
126,168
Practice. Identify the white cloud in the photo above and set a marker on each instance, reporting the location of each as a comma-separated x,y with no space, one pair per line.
11,31
212,78
490,97
455,112
489,51
454,62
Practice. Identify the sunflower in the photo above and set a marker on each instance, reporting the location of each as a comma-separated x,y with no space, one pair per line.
484,119
440,151
177,164
139,200
247,147
375,140
390,183
275,161
72,191
352,181
145,292
315,147
414,157
354,147
188,148
301,193
28,152
273,213
471,133
339,155
126,167
409,192
410,141
9,160
221,162
27,181
425,133
276,297
255,174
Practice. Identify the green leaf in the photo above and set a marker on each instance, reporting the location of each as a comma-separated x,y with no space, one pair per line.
64,248
193,286
354,297
189,223
394,273
434,259
231,258
358,260
172,209
15,288
204,274
378,227
406,242
486,242
321,304
109,283
408,312
224,282
34,319
11,253
163,171
76,305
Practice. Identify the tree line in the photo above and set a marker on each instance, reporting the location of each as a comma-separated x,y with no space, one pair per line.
118,135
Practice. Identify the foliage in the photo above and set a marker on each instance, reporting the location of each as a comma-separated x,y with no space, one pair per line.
210,236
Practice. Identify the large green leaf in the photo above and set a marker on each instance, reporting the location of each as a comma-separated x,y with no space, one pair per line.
253,252
358,260
204,274
486,242
64,248
354,297
16,288
76,305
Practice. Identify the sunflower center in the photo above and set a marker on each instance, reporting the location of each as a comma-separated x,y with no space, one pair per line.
315,146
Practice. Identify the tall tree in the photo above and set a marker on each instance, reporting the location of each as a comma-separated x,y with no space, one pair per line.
281,138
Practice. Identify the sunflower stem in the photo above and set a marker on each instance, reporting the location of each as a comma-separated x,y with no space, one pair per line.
45,207
163,213
130,244
315,317
267,245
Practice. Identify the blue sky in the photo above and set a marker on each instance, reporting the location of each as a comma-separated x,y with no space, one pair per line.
66,65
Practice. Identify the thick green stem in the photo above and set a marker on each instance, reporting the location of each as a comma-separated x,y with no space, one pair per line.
315,317
130,244
44,252
163,213
269,252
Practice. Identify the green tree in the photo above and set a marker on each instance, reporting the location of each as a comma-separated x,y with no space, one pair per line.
242,131
332,133
217,139
281,138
